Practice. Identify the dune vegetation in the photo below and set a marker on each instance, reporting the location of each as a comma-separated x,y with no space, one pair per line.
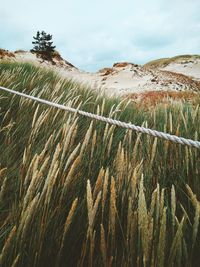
77,192
163,62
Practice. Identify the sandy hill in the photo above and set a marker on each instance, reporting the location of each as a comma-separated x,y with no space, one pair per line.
188,65
181,73
25,56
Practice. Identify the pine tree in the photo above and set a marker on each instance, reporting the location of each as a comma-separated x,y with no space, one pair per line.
43,45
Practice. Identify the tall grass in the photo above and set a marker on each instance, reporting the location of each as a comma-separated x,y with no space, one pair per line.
76,192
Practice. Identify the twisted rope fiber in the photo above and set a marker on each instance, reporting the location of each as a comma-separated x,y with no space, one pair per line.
162,135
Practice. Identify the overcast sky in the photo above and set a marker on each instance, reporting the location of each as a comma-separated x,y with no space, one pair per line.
92,34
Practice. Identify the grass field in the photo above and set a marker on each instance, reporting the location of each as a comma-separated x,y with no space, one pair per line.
76,192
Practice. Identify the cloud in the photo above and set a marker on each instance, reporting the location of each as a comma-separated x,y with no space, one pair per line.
94,34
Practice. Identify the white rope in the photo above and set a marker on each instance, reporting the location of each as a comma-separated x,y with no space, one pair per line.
162,135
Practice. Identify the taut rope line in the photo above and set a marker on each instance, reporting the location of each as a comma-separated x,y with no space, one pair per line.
162,135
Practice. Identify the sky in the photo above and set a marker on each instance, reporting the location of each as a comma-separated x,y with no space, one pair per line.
93,34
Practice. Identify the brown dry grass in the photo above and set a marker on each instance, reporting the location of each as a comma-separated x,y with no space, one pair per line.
121,64
156,97
5,53
107,71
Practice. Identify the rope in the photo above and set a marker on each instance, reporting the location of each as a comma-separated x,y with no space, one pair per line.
162,135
